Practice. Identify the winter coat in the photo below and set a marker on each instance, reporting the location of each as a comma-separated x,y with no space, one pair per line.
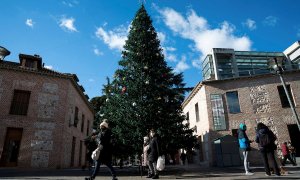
145,154
243,140
272,146
104,138
154,149
284,149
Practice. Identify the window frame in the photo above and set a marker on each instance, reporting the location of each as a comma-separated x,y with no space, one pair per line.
20,102
232,103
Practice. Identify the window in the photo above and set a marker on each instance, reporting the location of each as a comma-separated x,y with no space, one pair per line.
283,97
29,63
76,117
234,132
187,116
82,122
20,102
197,112
217,112
233,102
87,127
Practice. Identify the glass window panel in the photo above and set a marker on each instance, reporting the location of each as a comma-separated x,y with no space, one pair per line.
233,102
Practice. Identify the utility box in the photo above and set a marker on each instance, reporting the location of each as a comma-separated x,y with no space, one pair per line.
227,151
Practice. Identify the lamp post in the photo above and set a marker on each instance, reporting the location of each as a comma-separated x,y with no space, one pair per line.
277,66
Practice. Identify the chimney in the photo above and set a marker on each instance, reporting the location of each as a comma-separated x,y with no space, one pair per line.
29,61
3,52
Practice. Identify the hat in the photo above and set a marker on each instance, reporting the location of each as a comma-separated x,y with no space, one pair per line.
243,126
104,124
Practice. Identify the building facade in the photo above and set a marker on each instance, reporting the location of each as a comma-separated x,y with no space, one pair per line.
218,104
45,116
225,63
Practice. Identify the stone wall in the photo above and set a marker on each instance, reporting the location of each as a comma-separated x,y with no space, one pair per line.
259,102
46,128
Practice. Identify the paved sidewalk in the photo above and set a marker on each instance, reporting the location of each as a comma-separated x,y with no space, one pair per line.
190,172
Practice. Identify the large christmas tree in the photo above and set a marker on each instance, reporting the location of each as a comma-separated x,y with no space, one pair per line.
145,93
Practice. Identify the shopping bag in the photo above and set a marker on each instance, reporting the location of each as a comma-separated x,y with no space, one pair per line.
96,153
160,165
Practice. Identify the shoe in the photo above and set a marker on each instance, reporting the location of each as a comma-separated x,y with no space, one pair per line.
249,173
150,176
267,174
155,176
89,178
277,174
114,178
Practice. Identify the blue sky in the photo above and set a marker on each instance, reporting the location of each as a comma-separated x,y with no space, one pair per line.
85,37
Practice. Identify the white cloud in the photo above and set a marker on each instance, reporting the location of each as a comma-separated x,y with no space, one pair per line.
70,3
29,22
204,37
251,24
170,49
98,52
115,38
48,67
171,58
270,21
68,24
162,37
197,63
181,65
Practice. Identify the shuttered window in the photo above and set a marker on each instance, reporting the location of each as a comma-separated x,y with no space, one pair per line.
20,102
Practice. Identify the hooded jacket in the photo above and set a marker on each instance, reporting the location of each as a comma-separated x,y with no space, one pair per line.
264,131
243,138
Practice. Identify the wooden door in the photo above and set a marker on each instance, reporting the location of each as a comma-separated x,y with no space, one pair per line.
10,154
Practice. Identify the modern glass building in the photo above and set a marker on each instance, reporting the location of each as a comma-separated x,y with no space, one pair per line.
225,63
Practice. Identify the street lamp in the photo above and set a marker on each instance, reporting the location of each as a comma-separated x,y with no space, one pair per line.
276,64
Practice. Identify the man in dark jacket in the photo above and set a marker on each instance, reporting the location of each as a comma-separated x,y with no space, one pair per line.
266,144
153,154
244,143
104,140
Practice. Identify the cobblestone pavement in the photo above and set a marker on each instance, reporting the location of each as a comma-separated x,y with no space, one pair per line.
190,172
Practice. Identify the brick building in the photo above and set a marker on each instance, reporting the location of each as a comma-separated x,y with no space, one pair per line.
217,106
44,116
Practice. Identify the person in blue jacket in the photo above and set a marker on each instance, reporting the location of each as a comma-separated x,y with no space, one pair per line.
244,143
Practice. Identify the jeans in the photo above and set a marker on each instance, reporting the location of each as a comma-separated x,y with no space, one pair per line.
246,164
97,168
269,156
152,168
285,157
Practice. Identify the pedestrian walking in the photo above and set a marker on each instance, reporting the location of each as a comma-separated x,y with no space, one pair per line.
153,154
145,160
286,154
266,144
245,147
183,157
292,151
104,139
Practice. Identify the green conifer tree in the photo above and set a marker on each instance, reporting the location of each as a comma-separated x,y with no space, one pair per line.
145,93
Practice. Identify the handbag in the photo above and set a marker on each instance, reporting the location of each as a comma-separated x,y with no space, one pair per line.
160,165
96,153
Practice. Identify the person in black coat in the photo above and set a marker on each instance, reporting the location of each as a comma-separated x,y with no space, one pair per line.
104,139
153,154
267,149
